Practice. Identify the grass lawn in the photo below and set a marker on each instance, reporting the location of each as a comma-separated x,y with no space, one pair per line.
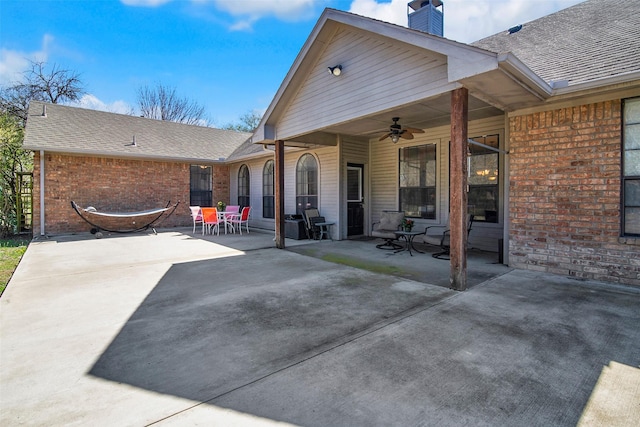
11,251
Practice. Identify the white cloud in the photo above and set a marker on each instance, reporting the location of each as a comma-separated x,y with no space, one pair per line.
467,20
243,25
464,20
394,12
92,102
282,9
248,12
13,63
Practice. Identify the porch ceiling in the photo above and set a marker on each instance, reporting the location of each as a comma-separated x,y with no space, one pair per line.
425,114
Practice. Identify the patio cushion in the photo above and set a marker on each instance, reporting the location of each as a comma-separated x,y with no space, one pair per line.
389,223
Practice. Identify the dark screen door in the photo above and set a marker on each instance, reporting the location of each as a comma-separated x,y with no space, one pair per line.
355,198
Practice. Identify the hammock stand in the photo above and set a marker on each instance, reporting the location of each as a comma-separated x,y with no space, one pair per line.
129,222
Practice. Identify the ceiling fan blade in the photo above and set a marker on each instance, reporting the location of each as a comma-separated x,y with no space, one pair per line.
414,130
406,134
385,136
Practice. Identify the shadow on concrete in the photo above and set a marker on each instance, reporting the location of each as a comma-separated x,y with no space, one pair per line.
211,326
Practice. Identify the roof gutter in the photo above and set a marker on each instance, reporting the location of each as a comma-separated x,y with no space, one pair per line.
524,76
604,82
119,155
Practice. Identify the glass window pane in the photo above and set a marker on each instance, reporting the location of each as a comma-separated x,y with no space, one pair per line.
418,166
268,188
306,183
632,137
268,179
632,221
632,192
200,186
632,163
631,153
418,202
418,181
483,169
243,186
483,203
353,185
632,111
483,179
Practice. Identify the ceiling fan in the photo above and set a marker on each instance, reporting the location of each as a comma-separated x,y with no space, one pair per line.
396,131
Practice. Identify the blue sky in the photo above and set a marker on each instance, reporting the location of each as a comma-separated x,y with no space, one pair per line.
228,55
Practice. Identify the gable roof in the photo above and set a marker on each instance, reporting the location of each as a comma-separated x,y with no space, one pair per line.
80,131
588,41
500,80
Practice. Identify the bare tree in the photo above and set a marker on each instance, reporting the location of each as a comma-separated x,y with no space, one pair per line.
55,85
162,103
248,122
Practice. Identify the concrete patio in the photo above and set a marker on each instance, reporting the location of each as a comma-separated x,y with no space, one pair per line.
177,329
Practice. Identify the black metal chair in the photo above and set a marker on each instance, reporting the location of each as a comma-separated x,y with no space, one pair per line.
311,216
443,239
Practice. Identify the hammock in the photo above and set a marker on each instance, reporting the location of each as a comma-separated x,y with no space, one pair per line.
128,222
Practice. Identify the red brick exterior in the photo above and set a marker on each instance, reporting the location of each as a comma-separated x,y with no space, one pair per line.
221,192
564,202
109,184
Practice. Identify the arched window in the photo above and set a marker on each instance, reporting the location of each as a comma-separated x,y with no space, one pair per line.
306,183
243,186
268,195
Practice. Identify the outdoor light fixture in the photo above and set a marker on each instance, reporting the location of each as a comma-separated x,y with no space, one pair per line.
336,71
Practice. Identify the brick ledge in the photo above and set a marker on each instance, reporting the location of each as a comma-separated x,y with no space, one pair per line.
634,241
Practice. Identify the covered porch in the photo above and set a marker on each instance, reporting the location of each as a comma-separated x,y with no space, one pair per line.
391,79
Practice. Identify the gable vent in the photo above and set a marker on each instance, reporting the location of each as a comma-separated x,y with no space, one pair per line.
427,16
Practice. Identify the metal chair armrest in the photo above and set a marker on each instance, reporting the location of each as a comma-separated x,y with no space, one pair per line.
435,226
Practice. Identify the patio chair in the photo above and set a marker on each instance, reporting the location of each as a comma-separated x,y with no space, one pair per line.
243,218
442,238
210,221
312,230
390,222
230,212
196,215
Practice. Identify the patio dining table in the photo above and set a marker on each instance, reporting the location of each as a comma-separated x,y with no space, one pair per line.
226,218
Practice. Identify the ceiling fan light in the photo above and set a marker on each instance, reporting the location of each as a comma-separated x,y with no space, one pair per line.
395,138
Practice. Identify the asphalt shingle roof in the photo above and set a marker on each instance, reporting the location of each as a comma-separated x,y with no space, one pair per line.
591,40
77,130
247,148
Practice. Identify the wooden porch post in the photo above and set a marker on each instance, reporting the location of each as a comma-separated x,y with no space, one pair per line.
279,184
458,189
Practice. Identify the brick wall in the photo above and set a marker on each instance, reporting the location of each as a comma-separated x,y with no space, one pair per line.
109,184
221,185
564,202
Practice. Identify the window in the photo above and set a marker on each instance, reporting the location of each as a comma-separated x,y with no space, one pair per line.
306,183
483,179
243,187
268,195
418,181
631,168
200,186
